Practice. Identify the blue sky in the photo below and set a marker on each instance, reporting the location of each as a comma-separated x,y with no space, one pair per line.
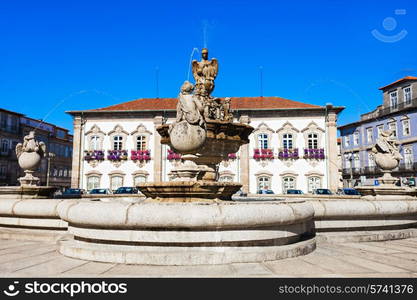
71,55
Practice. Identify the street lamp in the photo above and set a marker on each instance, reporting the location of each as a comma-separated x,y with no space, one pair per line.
48,157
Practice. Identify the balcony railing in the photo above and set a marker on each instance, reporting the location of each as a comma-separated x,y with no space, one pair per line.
285,153
93,155
312,153
263,154
400,106
140,155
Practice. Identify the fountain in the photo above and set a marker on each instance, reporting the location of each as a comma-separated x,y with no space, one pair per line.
191,219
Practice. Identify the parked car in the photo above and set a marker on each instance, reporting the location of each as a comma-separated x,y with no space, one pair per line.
71,193
126,190
348,191
322,192
100,191
265,192
293,191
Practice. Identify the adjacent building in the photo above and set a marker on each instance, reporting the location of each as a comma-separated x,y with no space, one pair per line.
398,113
293,145
54,169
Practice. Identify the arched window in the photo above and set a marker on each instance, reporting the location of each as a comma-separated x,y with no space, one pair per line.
139,179
313,141
116,181
95,142
288,182
93,182
314,182
263,141
141,142
226,178
287,141
264,183
117,142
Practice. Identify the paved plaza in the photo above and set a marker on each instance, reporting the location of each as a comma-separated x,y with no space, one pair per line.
397,258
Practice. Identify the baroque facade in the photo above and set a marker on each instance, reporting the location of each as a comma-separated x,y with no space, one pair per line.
56,170
294,145
398,113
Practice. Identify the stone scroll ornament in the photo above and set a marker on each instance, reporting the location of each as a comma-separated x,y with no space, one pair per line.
29,155
387,156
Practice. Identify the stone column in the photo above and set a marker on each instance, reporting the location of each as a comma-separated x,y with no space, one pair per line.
333,166
157,152
244,160
76,153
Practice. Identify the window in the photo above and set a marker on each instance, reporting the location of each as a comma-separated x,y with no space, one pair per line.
369,134
356,138
116,182
139,179
264,182
408,156
393,127
93,182
371,159
4,146
3,170
263,141
226,178
60,173
141,142
117,142
379,129
347,141
55,172
393,100
95,142
288,182
287,141
65,173
356,161
314,182
406,127
347,161
407,95
313,141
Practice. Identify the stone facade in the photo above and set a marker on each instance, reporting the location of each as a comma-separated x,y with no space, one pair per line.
261,163
398,113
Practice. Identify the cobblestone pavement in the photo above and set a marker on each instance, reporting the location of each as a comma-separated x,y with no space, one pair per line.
396,258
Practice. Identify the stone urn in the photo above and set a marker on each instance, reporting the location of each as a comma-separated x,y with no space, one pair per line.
385,161
29,161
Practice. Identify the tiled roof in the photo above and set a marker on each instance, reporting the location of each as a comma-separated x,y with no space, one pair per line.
236,104
398,81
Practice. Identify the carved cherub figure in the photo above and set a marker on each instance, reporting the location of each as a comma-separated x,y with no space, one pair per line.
189,107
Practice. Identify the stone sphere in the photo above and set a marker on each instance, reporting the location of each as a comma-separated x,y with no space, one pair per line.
29,161
385,161
186,138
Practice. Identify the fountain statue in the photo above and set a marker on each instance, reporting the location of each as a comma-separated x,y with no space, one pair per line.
204,133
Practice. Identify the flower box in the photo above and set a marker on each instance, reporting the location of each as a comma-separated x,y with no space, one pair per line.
172,155
116,155
263,154
311,153
288,153
140,155
231,156
94,155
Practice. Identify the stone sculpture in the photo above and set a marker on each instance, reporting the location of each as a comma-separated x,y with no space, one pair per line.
204,72
387,157
29,155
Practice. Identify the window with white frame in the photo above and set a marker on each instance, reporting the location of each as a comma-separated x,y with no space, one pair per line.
393,100
226,178
371,159
116,181
287,141
379,130
141,142
356,160
5,146
408,156
95,142
264,182
356,138
60,172
117,142
65,172
288,183
369,134
54,172
407,95
406,127
313,141
393,127
347,140
139,179
93,182
263,141
313,182
348,164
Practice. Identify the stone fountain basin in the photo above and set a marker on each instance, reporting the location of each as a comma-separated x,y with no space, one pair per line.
173,233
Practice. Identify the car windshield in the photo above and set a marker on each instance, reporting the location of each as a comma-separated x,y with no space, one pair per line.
323,192
72,191
293,192
98,191
351,192
124,190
